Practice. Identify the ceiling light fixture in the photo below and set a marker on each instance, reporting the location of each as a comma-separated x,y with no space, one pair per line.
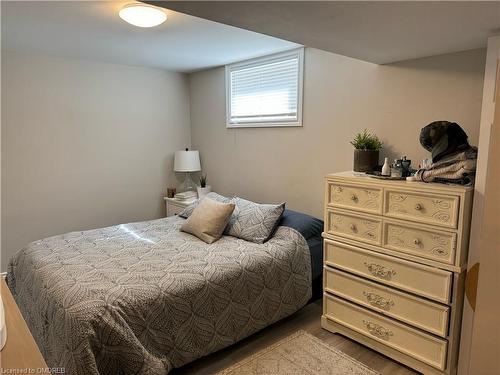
142,15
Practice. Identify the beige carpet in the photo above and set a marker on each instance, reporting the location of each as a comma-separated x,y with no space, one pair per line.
300,353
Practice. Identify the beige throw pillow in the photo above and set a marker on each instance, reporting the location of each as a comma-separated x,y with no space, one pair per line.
208,220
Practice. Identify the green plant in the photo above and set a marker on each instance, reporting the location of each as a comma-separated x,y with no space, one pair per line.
203,180
366,141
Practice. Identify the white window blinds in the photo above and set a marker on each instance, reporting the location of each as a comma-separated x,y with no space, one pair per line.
265,91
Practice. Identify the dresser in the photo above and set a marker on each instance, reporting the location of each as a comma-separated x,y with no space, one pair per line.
394,267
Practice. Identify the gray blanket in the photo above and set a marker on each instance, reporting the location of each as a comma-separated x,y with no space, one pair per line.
143,298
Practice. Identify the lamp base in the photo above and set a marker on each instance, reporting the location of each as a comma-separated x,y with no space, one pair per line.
187,185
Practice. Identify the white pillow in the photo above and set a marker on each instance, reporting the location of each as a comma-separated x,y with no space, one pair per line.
185,213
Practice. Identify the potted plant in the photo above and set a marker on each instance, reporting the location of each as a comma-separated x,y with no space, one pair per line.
203,189
366,151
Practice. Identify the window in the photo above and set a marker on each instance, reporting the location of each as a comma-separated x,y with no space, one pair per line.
266,91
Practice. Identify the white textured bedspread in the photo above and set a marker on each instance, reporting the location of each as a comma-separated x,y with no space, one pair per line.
143,298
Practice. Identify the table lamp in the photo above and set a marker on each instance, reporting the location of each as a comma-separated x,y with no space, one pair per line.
187,161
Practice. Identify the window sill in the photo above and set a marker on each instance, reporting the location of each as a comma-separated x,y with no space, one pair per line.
264,125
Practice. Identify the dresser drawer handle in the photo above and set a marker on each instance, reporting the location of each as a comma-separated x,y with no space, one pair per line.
377,330
416,241
353,227
380,271
418,207
379,301
354,198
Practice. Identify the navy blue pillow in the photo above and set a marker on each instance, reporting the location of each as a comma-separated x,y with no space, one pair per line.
305,224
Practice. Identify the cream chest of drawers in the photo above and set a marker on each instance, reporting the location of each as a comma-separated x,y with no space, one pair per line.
394,267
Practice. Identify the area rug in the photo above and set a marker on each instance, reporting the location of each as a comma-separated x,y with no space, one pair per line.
299,353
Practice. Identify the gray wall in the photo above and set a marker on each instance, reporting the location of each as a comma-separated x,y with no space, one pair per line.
85,145
341,97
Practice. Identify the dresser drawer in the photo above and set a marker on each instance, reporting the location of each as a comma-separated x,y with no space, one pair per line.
422,207
423,242
173,209
355,226
425,281
417,344
355,197
416,311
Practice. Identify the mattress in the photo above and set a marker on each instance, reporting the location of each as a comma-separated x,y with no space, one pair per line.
310,228
315,245
143,298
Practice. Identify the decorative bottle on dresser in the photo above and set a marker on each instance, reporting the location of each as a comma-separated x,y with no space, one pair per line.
386,168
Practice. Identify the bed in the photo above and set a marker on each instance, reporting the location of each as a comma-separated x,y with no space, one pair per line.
143,298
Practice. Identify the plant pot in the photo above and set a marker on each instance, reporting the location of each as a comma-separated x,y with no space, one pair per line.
202,191
365,160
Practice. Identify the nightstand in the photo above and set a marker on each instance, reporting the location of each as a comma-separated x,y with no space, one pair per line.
20,355
175,206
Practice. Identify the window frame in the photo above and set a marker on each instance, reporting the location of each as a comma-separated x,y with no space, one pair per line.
299,52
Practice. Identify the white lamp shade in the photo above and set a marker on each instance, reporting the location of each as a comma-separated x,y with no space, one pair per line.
187,161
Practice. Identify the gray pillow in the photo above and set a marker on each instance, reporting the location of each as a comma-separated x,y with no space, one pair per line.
253,222
185,213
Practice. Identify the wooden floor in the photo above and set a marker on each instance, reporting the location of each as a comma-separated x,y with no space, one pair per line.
307,319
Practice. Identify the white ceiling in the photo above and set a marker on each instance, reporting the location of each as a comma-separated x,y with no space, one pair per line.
92,30
376,31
